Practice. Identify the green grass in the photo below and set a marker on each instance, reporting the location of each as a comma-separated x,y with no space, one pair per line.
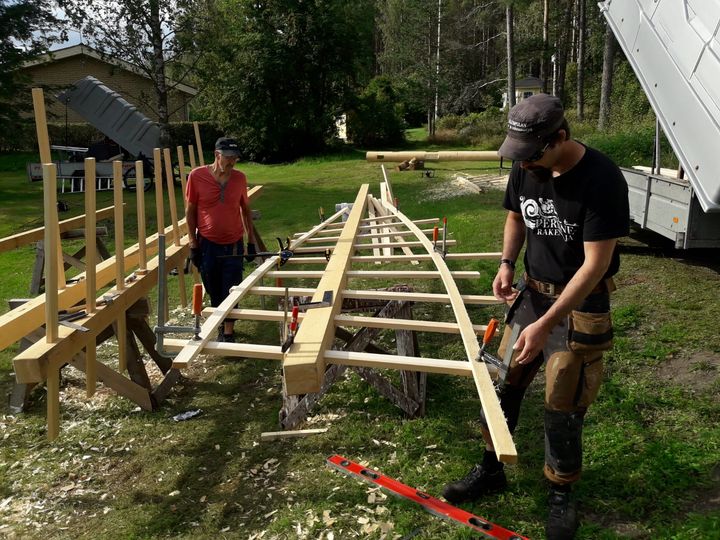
652,445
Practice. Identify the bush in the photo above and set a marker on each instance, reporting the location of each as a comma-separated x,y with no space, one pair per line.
377,116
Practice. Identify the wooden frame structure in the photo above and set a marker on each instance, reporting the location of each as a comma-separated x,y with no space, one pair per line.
122,310
305,363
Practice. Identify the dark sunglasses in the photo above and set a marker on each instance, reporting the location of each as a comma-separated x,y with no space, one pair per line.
537,156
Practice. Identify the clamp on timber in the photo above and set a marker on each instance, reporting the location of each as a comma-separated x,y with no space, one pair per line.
326,301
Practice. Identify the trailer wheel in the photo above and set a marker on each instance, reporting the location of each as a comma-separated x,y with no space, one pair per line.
130,181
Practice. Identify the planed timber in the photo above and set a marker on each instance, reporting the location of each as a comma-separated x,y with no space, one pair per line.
354,321
24,319
345,358
497,426
391,245
381,295
36,235
275,435
370,236
400,258
332,229
467,155
304,364
377,274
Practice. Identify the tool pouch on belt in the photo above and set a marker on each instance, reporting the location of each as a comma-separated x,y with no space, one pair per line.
589,332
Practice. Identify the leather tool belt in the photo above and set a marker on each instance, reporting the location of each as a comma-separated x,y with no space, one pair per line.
554,289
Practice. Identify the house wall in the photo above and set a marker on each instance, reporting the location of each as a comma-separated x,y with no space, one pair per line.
137,90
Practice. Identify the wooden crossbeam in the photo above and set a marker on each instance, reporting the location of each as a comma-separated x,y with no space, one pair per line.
369,236
381,295
374,274
332,229
401,258
353,321
360,359
390,245
35,235
304,365
501,438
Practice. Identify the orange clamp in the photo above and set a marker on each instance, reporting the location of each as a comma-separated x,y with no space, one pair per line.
490,331
197,298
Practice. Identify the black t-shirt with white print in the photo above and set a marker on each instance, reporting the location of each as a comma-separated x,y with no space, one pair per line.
587,203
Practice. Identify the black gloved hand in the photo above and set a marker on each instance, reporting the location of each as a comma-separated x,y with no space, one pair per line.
251,251
196,257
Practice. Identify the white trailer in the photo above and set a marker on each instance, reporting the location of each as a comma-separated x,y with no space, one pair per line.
674,49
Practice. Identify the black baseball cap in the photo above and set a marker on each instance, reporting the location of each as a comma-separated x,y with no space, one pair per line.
530,122
227,147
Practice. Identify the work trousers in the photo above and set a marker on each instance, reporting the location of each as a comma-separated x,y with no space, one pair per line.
573,375
221,268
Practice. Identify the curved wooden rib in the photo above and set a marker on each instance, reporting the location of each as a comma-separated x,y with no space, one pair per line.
501,438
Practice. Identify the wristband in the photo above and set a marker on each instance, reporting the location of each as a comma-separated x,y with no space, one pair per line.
509,262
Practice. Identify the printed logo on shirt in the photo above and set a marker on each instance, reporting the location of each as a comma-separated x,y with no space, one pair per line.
542,218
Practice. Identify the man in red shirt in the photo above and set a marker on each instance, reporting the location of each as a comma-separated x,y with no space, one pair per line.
218,213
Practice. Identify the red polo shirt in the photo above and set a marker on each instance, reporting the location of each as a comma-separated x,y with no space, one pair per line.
219,218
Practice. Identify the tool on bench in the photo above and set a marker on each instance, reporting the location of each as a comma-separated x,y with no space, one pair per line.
65,319
502,366
297,308
428,502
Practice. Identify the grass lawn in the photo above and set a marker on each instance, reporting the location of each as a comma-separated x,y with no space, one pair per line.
652,442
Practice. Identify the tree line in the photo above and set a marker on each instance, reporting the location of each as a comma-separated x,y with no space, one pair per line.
278,74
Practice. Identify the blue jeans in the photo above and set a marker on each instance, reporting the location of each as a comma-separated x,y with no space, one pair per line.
219,273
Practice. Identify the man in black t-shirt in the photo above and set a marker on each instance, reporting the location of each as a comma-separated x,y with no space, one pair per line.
569,205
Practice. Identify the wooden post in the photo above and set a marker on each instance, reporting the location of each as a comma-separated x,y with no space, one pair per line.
90,262
157,161
53,402
191,153
120,262
45,157
174,217
201,158
52,236
142,247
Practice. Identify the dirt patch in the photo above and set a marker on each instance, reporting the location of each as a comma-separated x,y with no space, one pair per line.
463,184
698,373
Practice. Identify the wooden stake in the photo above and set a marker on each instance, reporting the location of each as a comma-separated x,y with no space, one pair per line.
140,195
174,217
183,176
120,262
160,210
275,435
201,158
52,239
53,402
90,270
191,154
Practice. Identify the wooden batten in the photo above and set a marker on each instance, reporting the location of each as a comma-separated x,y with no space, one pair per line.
191,155
374,274
304,365
172,201
159,206
90,270
34,235
277,435
121,328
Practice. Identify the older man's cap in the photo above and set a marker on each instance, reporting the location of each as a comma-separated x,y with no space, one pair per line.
530,122
227,147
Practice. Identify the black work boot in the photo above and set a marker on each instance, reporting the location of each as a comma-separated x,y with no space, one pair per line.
478,482
562,516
